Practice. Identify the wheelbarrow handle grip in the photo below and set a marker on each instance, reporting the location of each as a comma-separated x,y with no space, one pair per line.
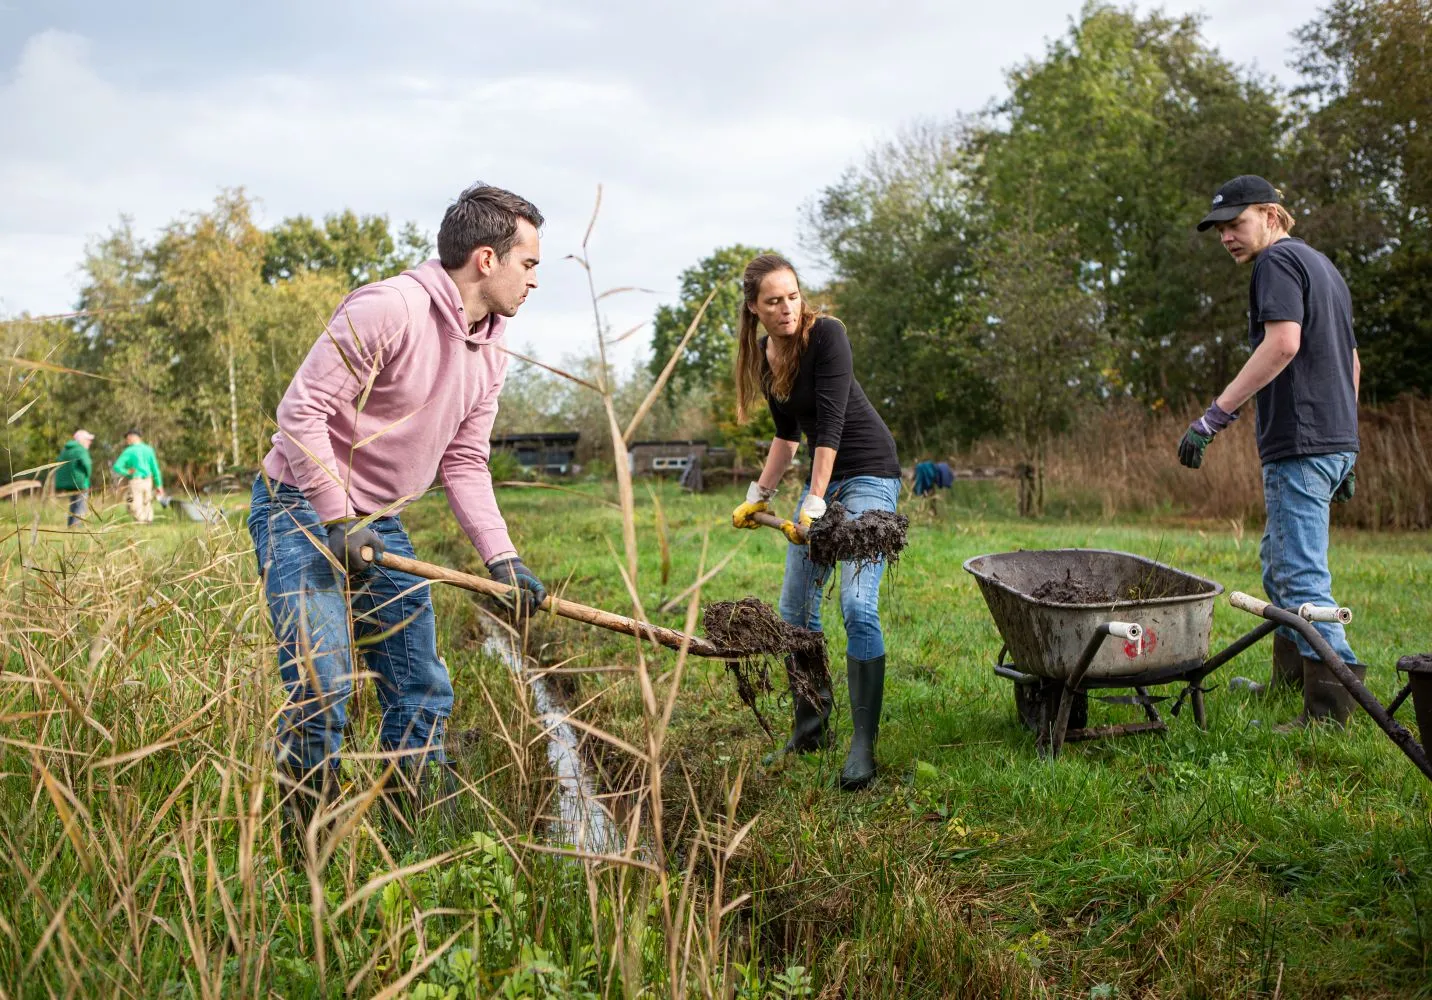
1313,613
1247,602
1125,630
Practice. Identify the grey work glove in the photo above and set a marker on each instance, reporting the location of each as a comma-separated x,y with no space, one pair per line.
346,540
1200,434
514,572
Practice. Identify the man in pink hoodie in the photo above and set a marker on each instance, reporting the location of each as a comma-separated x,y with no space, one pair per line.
400,388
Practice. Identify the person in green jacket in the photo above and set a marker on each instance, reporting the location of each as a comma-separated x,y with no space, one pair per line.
74,475
140,466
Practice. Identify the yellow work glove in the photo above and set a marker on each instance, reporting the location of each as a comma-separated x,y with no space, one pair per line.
793,533
757,502
812,509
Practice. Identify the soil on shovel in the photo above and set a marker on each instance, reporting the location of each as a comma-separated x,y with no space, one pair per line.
874,535
751,627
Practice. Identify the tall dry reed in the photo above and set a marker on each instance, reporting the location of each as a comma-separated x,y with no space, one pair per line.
1124,459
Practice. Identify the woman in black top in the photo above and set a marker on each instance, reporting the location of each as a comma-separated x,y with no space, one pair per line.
803,371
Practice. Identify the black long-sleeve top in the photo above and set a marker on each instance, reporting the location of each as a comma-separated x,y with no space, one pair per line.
828,406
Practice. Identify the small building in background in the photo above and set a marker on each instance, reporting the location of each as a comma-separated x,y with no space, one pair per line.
552,454
663,458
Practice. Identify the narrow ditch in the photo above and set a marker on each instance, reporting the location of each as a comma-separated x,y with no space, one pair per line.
581,818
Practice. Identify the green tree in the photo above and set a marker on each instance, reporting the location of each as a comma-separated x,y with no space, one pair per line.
899,235
1119,134
1362,189
710,354
207,283
1039,343
361,248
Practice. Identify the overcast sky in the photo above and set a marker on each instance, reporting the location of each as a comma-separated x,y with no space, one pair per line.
707,123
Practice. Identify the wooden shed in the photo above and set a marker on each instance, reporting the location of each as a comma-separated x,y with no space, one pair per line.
663,458
552,453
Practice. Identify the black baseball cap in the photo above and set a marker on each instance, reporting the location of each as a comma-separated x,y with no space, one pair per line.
1231,199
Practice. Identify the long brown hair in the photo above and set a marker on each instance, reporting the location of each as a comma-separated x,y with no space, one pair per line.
751,384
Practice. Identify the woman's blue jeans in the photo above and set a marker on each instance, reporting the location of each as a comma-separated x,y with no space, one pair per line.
859,585
1298,493
392,629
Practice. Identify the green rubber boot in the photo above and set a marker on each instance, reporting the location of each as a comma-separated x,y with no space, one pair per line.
867,692
810,729
1287,665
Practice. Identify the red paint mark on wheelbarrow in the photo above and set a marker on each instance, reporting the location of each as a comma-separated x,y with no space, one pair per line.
1146,643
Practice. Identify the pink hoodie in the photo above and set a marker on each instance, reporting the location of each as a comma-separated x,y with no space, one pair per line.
395,392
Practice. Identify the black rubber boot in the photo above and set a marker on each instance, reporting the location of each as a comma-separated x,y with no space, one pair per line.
1287,673
1324,697
415,795
304,795
810,730
1287,665
867,692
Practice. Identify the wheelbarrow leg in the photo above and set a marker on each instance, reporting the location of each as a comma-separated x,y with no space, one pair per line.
1200,713
1151,711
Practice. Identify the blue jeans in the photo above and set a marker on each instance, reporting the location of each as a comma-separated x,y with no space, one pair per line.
859,586
1294,551
79,507
393,630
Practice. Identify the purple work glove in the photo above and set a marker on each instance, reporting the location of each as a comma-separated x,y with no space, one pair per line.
1201,432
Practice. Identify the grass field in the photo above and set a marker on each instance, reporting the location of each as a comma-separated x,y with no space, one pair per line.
137,809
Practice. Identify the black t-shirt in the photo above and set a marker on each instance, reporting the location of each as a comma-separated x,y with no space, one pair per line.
1311,407
830,408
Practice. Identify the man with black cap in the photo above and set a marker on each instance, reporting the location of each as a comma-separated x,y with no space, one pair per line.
1304,371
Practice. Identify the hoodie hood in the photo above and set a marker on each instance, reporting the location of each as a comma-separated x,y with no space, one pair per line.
447,302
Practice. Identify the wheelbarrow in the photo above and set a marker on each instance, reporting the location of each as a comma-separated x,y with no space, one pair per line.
1058,609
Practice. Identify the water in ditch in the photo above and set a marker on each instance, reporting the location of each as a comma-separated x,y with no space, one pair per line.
581,819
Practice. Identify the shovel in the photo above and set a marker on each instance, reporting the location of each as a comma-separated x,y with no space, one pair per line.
779,523
668,637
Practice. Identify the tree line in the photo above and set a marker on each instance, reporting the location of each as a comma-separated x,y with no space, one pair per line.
1000,273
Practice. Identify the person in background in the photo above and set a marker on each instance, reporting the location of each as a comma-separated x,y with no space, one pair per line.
1304,371
803,370
138,463
347,458
74,474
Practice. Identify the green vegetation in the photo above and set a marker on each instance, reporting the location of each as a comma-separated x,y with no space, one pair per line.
139,687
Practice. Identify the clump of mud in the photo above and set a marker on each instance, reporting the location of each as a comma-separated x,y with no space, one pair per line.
750,628
1071,590
873,536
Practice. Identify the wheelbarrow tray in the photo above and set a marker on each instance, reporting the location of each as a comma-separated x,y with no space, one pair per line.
1046,636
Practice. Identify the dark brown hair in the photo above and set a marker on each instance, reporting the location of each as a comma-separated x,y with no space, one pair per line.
751,383
482,216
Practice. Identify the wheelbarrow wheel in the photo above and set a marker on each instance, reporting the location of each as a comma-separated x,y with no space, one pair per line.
1037,704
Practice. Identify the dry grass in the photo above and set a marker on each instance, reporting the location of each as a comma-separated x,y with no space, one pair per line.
1124,460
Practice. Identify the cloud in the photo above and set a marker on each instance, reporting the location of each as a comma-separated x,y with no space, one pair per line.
708,124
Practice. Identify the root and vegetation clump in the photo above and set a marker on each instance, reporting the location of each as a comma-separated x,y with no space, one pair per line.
751,627
866,539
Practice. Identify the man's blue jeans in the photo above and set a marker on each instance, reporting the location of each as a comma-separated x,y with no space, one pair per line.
859,586
1298,493
392,627
79,507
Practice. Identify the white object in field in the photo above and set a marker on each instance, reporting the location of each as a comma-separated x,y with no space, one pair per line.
1247,602
1313,613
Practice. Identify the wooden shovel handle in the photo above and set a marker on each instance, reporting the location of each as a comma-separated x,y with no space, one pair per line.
667,637
779,523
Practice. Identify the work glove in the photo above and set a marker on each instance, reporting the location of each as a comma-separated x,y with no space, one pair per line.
1346,488
514,572
1201,432
812,510
346,540
758,500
